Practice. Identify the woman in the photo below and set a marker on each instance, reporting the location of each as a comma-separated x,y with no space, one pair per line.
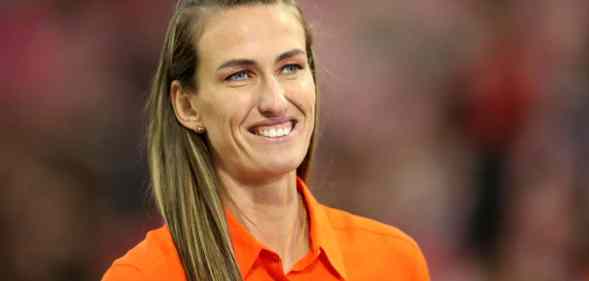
233,118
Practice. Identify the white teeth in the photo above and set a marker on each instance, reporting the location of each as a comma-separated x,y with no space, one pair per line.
274,132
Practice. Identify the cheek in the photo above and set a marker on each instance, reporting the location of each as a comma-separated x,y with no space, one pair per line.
303,95
225,114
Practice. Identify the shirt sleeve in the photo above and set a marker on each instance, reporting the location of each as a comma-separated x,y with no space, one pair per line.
123,272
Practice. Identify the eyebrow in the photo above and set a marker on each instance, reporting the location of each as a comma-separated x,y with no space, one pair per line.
289,54
249,62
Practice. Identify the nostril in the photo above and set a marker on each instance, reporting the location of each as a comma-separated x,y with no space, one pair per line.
273,110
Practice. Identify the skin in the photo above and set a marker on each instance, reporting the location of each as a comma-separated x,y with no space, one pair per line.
254,73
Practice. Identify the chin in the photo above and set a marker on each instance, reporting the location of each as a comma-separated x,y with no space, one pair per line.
282,167
277,167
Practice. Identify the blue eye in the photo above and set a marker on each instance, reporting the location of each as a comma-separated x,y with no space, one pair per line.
239,76
291,68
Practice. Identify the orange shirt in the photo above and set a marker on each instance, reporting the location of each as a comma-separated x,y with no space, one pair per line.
343,247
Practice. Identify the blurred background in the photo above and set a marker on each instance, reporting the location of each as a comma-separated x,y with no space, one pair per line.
462,122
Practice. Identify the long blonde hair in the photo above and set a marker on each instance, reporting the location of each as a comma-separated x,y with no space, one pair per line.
183,179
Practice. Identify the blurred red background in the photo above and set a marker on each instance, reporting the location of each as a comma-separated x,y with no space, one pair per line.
461,122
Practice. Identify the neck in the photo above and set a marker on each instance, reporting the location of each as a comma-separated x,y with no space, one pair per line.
273,212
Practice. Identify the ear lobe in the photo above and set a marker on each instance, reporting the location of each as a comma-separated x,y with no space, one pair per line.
185,112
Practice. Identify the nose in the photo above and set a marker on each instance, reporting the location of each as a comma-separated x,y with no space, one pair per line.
272,101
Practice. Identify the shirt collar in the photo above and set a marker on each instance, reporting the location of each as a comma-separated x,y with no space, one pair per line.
323,238
246,247
322,233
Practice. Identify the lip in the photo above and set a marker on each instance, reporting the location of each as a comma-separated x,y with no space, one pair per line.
272,122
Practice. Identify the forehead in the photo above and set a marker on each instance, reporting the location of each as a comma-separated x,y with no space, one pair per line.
252,31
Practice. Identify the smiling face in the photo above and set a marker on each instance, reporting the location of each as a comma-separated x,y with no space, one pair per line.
255,93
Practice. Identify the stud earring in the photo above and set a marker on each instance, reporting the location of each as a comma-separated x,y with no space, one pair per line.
200,129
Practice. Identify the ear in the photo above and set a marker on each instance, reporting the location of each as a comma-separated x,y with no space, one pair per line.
182,102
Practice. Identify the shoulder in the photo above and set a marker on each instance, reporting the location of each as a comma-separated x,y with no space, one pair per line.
377,247
154,258
364,228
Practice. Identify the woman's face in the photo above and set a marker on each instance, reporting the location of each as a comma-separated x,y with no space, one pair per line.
256,94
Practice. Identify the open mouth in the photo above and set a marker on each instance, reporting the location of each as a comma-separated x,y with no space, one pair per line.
274,131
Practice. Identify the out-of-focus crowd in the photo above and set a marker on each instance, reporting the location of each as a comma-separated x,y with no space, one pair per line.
461,122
